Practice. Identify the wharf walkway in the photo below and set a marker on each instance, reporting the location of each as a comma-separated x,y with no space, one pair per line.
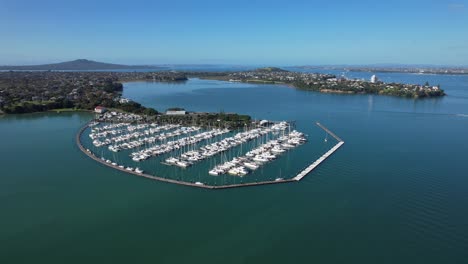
329,132
316,163
212,187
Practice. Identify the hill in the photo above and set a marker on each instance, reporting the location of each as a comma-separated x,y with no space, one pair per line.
270,69
77,65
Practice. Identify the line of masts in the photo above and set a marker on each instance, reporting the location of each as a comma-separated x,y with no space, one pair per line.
199,184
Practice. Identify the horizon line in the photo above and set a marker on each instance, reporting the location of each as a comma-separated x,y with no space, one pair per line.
376,65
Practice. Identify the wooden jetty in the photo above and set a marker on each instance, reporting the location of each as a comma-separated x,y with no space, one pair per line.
301,175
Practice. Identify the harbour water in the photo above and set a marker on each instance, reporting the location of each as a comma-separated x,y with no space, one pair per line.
394,193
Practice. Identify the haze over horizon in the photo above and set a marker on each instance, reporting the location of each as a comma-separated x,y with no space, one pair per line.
92,62
241,32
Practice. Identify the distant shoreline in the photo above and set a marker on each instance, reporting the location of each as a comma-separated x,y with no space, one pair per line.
71,91
409,70
327,83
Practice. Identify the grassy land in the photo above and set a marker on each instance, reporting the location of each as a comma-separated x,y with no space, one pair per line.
60,110
216,78
263,82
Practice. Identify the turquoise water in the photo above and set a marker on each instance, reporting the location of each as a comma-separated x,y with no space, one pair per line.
394,193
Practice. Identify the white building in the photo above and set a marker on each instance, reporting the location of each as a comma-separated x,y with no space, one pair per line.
374,79
124,100
176,112
100,109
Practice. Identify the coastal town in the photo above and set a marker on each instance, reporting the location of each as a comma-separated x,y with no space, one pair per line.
454,70
36,91
329,83
28,92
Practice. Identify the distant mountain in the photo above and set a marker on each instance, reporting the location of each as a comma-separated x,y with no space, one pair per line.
77,65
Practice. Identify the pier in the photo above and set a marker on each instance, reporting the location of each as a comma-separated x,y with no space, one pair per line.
301,175
316,163
329,132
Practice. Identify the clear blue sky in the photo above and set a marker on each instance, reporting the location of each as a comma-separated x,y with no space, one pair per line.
273,32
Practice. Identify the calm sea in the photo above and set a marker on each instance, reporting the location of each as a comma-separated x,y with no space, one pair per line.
394,193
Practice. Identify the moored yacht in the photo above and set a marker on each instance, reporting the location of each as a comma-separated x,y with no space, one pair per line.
251,165
171,160
182,164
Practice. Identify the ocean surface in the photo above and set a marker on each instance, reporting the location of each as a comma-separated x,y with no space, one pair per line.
396,192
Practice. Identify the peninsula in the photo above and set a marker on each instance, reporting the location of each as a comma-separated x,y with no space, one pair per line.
27,92
326,83
38,91
417,69
35,91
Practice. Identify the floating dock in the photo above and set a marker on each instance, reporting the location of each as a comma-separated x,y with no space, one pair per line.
299,176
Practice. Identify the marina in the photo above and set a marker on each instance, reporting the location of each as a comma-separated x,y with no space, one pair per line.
260,155
177,144
269,143
129,131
